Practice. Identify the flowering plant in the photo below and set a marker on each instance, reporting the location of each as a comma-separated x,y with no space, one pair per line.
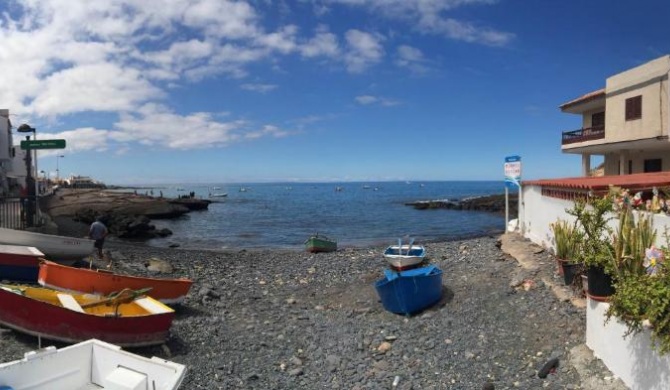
653,258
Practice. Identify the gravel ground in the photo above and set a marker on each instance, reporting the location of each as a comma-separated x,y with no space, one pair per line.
263,319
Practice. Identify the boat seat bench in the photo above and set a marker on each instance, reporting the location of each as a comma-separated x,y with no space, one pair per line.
151,306
68,301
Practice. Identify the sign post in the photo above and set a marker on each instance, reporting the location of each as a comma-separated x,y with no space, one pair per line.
43,144
512,180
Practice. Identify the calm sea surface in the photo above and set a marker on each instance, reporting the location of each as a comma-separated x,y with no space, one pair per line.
281,215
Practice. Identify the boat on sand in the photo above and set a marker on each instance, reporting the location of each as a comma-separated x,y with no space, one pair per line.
402,256
59,248
128,318
91,364
19,263
102,282
320,243
409,292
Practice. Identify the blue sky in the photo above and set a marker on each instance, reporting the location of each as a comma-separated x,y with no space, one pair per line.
330,90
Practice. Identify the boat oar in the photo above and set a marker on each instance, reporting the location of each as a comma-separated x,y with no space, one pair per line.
409,247
400,246
124,296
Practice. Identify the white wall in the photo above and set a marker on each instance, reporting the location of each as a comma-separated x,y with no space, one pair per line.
538,212
629,358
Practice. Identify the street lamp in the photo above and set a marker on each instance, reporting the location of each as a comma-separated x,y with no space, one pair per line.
57,171
31,183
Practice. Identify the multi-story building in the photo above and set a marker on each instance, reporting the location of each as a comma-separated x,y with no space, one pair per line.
626,122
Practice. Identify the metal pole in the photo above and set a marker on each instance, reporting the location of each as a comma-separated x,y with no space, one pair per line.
37,206
506,208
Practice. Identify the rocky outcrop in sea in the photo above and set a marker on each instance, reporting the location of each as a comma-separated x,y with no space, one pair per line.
491,203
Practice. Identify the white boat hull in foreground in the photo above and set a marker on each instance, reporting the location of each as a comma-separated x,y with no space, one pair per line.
404,256
60,249
91,364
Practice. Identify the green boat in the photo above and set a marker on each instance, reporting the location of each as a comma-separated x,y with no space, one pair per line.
319,243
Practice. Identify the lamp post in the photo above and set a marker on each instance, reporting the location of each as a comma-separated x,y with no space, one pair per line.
57,171
31,184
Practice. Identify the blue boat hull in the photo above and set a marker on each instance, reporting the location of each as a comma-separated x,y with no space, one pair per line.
409,292
19,273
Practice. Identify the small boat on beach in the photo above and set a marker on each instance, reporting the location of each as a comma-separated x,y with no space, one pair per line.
405,256
102,282
91,364
409,292
63,249
128,318
19,263
320,243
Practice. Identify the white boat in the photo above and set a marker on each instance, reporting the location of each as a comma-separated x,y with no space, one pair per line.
92,364
60,249
405,256
218,195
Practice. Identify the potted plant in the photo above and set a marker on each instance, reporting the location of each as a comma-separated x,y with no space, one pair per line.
642,299
567,243
611,253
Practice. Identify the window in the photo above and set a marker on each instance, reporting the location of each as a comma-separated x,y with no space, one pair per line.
653,165
634,108
630,166
598,120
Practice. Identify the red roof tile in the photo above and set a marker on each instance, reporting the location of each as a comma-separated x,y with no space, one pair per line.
584,98
600,183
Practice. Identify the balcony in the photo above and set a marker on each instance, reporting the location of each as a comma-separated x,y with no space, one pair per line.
581,135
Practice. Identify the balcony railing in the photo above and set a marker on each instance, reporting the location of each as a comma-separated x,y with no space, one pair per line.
581,135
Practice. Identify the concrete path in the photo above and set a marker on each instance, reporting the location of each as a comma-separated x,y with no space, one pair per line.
535,265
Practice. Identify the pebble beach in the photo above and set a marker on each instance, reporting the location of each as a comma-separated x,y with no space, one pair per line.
279,319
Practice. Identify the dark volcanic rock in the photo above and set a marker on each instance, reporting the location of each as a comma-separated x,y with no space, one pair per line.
492,203
191,203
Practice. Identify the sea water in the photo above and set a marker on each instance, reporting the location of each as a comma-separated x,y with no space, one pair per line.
284,215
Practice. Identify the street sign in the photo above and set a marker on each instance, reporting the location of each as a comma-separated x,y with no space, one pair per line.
43,144
512,171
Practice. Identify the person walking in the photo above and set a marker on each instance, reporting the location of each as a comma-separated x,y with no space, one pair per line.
98,231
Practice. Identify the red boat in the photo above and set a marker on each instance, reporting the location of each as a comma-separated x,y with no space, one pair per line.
103,282
127,319
19,262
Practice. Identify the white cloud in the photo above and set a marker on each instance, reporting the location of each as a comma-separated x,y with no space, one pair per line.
366,100
261,88
323,43
100,87
155,125
429,17
363,50
158,126
78,140
411,58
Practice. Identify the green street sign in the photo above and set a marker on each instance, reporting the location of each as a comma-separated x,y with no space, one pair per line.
43,144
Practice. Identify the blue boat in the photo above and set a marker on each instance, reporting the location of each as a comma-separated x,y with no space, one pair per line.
411,291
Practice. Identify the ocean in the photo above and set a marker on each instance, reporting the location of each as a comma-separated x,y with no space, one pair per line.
284,215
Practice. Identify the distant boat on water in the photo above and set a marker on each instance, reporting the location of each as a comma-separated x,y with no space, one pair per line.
219,195
338,189
243,189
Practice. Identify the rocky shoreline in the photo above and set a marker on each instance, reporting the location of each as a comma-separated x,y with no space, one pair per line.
277,319
491,203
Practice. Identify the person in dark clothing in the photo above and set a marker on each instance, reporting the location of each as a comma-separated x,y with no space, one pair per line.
98,231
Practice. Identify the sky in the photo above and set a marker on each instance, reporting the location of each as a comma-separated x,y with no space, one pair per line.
216,91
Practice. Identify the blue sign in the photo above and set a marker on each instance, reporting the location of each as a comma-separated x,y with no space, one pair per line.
513,171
